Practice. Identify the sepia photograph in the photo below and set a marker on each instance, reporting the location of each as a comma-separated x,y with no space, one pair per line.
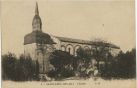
68,44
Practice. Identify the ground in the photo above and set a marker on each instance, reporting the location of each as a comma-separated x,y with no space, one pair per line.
90,83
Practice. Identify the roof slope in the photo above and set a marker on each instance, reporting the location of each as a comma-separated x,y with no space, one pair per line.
38,37
64,39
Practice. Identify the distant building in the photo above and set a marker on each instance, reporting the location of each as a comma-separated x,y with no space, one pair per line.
39,45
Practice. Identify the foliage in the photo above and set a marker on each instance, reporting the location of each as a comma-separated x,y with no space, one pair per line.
8,66
100,50
127,64
18,69
83,63
63,63
122,66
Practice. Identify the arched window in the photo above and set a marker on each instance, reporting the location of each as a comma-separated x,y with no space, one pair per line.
76,49
63,48
69,48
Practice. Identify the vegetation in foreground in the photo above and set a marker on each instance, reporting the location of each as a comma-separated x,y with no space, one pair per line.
84,65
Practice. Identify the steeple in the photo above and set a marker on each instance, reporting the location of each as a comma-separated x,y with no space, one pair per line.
36,9
37,23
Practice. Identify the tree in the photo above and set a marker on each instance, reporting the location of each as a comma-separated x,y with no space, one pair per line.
63,63
8,66
127,64
101,51
19,69
122,66
85,63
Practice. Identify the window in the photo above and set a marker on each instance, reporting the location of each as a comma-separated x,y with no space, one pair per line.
69,50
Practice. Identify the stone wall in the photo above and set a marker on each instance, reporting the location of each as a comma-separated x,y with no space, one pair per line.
30,50
73,47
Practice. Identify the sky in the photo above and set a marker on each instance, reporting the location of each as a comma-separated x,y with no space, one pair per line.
110,20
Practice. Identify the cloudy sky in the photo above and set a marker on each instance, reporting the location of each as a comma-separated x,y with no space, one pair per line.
111,20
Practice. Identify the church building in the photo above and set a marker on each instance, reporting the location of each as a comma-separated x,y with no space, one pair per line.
39,45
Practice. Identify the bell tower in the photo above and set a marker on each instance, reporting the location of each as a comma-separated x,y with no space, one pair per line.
38,45
37,23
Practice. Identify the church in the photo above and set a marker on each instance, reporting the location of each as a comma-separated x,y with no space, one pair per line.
39,45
